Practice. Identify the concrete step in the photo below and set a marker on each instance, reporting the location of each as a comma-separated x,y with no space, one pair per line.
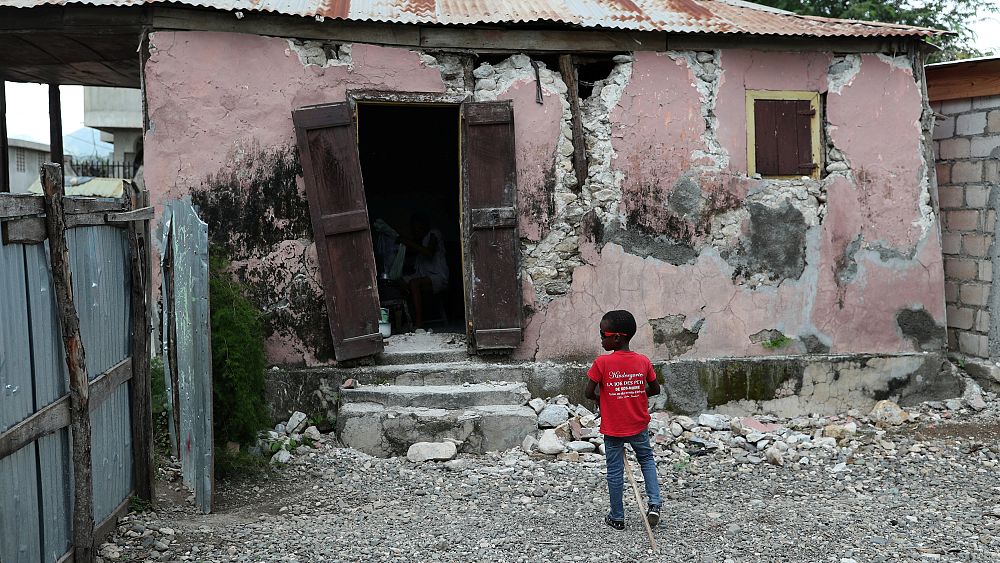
439,396
423,348
394,358
385,431
444,373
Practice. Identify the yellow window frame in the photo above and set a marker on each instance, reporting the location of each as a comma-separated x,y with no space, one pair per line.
814,126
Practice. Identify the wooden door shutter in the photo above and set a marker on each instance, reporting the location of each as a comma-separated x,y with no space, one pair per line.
331,169
783,137
492,262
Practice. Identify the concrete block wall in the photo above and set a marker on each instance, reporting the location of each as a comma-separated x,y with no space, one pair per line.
967,146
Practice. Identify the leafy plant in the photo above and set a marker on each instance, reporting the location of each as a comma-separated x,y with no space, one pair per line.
240,465
159,405
237,358
777,342
136,504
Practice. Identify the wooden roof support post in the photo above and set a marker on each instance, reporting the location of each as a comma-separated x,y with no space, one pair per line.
55,128
79,384
4,145
568,70
139,390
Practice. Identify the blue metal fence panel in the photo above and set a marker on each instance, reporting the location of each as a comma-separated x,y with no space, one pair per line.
36,481
111,453
99,258
51,382
19,511
188,237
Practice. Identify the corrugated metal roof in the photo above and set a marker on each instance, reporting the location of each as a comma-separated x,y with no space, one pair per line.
679,16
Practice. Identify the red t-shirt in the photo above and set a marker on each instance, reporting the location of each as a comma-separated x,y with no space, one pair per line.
621,377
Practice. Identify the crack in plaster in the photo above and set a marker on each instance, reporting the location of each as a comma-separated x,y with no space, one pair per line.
323,54
550,261
706,66
452,68
843,69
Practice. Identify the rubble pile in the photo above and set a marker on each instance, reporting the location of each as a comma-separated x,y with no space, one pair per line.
292,437
892,484
571,433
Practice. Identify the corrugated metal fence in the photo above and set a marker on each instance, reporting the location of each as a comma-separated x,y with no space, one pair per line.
36,470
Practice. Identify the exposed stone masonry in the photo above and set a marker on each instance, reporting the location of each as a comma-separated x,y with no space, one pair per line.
967,145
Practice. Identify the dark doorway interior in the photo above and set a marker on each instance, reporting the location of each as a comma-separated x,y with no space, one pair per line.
410,166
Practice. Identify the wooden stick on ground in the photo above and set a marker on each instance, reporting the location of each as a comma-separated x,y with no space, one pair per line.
79,384
638,501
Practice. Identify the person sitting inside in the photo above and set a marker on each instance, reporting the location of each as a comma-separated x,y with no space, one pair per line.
430,270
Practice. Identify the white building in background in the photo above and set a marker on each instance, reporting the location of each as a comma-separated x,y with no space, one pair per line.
24,158
117,113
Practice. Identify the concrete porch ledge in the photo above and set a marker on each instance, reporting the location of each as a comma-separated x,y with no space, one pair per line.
797,385
783,385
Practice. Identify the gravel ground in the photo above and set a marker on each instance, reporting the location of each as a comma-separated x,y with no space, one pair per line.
926,490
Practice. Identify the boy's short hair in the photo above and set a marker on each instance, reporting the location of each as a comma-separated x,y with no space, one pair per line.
620,321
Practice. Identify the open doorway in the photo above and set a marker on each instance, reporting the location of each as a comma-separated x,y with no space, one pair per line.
410,164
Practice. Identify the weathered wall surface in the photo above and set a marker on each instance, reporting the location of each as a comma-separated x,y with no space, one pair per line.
714,263
668,225
967,146
221,129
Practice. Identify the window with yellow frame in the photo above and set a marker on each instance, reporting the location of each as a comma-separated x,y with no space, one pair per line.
783,134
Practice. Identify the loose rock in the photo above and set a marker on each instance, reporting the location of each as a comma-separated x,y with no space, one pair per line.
426,451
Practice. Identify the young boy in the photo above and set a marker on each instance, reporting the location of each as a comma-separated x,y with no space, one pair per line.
620,382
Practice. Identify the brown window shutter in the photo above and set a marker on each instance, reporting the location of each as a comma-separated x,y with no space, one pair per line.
489,185
331,170
766,136
783,137
803,138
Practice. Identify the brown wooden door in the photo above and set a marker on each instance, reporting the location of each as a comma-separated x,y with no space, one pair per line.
492,262
331,169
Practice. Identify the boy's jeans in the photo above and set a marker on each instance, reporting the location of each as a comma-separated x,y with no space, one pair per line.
614,451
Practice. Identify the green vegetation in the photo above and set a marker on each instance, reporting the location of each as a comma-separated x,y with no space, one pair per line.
136,504
777,342
241,465
237,359
160,405
950,15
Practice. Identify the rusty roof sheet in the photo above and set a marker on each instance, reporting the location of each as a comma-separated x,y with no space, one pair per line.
677,16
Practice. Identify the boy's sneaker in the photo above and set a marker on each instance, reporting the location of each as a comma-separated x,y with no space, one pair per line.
653,515
616,524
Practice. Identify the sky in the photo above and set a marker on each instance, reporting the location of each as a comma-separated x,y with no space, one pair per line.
28,113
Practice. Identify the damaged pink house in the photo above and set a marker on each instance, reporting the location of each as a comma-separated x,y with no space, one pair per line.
757,187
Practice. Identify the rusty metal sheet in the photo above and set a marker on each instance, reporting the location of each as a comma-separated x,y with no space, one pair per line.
187,307
675,16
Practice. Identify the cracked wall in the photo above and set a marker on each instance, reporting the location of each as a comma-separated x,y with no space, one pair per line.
667,223
837,264
221,130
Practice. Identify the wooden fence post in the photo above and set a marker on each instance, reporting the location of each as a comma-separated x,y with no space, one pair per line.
79,384
139,388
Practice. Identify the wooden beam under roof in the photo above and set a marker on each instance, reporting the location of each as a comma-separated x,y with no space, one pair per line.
963,79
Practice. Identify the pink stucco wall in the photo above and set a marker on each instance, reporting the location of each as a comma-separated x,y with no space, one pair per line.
213,95
874,120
